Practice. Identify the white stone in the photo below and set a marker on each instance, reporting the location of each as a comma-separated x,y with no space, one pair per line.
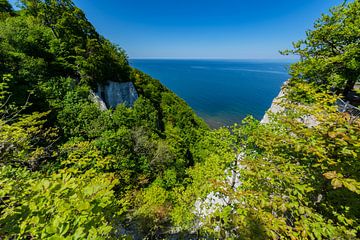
114,93
97,100
275,107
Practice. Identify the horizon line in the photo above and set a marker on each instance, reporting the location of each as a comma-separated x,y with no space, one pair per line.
215,58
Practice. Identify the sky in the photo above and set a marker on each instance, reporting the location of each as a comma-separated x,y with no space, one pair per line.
231,29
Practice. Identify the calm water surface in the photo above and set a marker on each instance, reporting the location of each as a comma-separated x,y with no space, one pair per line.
222,92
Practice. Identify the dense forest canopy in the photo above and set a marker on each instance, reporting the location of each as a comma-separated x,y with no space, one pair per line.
155,170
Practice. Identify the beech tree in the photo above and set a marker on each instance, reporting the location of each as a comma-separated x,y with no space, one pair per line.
330,53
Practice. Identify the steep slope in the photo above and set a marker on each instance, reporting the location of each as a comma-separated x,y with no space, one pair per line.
70,170
58,148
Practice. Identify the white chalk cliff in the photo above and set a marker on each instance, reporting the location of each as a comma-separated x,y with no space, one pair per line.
275,107
110,94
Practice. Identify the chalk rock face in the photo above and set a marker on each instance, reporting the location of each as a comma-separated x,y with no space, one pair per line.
309,120
96,99
114,93
275,108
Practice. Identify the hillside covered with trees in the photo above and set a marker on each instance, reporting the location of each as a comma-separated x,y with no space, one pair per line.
69,170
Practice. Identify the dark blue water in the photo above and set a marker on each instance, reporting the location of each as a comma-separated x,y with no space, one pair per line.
220,91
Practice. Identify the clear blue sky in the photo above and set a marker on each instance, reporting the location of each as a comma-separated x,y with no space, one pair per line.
204,28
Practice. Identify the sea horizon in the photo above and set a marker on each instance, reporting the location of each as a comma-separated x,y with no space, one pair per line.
286,60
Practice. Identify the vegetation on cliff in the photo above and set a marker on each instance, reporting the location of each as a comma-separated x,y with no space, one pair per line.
69,170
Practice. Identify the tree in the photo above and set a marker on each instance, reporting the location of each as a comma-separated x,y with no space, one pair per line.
38,199
5,7
330,54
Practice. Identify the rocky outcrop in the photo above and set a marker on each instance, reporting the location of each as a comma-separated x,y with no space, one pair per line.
98,101
275,107
110,94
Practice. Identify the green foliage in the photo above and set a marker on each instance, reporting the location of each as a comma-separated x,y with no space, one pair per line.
6,9
5,6
76,202
59,206
330,53
299,177
70,170
299,157
5,95
26,142
214,154
25,48
79,47
152,210
53,39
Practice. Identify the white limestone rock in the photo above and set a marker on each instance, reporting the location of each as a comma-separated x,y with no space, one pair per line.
114,93
275,107
309,120
98,101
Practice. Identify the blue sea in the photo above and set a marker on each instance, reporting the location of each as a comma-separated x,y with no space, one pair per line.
222,92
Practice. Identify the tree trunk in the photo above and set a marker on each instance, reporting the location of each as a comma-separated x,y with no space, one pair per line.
350,84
